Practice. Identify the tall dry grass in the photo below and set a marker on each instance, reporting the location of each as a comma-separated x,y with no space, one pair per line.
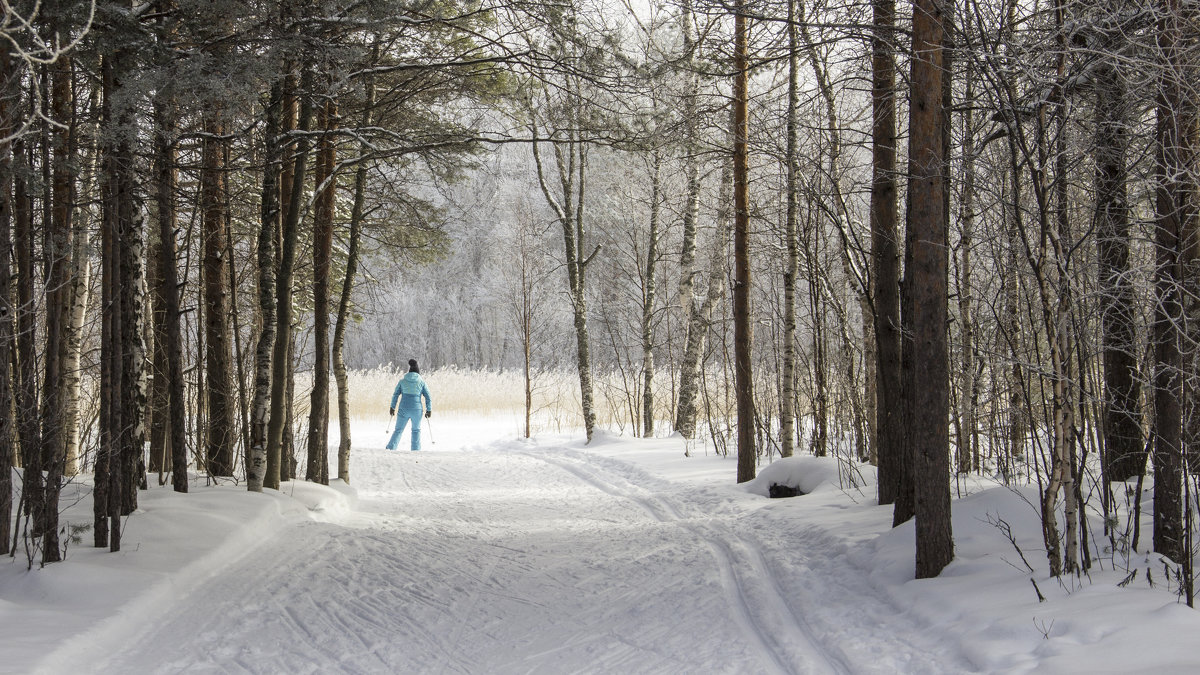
454,391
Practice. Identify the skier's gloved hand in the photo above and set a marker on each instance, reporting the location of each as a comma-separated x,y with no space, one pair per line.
428,413
391,412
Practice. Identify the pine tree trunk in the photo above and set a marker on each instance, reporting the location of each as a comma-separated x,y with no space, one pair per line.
57,252
160,458
326,182
28,409
173,414
1124,452
121,426
133,349
129,398
218,340
968,457
8,95
743,336
1170,175
1189,271
103,465
817,308
290,227
1011,282
927,282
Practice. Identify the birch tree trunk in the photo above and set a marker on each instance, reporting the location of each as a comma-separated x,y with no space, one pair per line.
79,297
256,467
649,296
696,324
569,211
787,403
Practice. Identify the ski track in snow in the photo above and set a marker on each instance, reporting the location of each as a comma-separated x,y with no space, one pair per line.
763,617
541,561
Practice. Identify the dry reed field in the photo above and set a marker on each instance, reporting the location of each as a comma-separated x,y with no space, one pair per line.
457,391
473,392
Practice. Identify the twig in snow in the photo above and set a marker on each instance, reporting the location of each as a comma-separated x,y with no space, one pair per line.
1006,529
1041,598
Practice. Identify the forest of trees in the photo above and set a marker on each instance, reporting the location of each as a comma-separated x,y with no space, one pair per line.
951,237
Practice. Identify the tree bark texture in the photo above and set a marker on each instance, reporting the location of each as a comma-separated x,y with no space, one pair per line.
927,280
743,335
9,93
57,253
260,408
787,393
1124,450
696,323
968,455
326,182
27,390
1168,386
173,414
79,295
343,313
649,297
569,210
281,354
217,338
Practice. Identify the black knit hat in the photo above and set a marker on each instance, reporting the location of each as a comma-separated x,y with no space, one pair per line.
412,366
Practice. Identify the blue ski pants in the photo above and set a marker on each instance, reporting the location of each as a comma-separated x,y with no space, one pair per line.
402,419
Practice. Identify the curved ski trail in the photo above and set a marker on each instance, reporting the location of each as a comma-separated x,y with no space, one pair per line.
778,612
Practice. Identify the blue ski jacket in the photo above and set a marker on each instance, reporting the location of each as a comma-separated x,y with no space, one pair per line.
410,390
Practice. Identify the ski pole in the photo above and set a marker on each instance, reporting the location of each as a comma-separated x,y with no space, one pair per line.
429,426
391,418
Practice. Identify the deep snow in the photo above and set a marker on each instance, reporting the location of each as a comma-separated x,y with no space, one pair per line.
486,555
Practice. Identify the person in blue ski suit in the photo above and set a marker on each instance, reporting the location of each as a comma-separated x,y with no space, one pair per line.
410,390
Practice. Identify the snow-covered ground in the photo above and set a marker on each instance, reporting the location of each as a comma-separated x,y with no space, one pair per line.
487,554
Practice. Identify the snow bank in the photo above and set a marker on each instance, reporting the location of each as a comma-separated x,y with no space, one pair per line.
57,617
809,474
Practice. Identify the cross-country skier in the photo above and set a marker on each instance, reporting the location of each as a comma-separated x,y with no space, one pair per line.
410,389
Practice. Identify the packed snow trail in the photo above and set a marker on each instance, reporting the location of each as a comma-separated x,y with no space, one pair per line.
545,560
